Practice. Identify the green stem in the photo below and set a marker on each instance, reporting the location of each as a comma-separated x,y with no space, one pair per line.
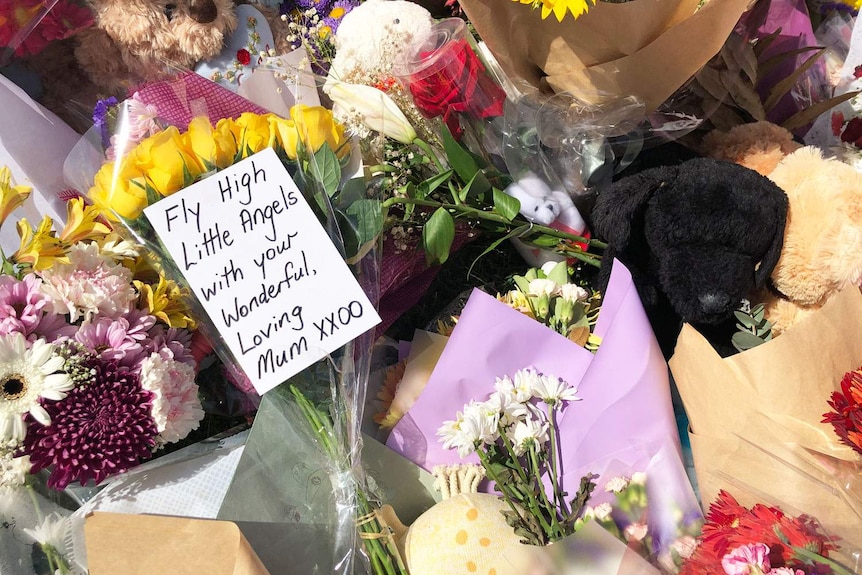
36,509
556,531
483,457
559,500
838,569
510,448
492,217
429,153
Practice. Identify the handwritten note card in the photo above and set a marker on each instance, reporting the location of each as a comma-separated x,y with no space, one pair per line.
263,268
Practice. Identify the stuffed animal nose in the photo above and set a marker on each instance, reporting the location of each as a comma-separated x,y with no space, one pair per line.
203,11
714,302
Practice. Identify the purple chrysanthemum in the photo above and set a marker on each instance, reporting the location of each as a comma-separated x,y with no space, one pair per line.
100,118
177,340
98,430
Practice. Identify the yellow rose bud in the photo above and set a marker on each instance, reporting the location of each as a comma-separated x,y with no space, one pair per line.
313,127
253,133
118,190
166,161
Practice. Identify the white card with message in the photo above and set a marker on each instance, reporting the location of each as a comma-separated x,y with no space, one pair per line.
264,269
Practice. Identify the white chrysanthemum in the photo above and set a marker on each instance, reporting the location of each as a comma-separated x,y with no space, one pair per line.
616,484
91,283
509,410
13,470
603,511
176,405
52,531
573,293
470,428
523,384
26,376
553,390
528,432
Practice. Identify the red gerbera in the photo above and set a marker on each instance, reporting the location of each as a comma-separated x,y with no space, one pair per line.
730,525
846,419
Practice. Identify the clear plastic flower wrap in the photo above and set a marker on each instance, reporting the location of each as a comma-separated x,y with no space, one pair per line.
323,402
27,26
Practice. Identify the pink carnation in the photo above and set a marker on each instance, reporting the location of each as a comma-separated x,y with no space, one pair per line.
176,405
88,285
739,561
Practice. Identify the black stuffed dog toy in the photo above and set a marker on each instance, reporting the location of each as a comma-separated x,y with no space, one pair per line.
697,237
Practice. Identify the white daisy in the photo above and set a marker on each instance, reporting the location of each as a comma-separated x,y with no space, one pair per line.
52,532
527,433
523,384
26,376
553,390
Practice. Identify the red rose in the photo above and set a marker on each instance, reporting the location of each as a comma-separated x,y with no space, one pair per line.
243,56
852,133
456,84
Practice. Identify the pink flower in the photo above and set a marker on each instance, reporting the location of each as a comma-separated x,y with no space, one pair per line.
747,560
22,304
89,284
785,571
109,339
176,405
177,340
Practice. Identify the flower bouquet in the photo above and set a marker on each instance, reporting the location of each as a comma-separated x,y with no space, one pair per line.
767,404
616,49
290,219
545,441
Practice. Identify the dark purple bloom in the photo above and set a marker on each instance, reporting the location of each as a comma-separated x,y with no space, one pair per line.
98,430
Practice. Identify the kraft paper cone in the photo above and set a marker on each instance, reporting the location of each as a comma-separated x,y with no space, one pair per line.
755,417
120,544
645,48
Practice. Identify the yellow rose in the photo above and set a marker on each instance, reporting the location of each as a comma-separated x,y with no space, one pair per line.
253,133
118,190
308,129
164,159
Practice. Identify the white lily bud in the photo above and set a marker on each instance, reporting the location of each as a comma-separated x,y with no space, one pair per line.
377,110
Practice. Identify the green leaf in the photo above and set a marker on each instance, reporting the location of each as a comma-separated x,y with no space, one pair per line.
324,168
809,114
544,241
506,205
758,312
353,190
762,44
559,274
438,233
459,158
432,183
368,218
744,340
522,283
744,319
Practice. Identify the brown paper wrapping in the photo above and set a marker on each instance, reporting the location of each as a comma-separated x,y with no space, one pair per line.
755,417
121,544
645,48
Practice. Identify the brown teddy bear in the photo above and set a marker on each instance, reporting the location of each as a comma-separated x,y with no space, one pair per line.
822,252
133,41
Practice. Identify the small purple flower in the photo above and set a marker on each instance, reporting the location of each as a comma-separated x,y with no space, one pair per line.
177,340
100,118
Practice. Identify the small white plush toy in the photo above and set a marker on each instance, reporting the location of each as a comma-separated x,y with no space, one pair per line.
372,38
542,205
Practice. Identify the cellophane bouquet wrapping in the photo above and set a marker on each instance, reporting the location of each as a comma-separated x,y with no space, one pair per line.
322,403
597,429
753,531
28,26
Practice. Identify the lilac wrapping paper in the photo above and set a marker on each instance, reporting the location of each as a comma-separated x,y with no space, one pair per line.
624,421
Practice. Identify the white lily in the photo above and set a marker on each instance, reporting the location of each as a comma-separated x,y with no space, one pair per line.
375,108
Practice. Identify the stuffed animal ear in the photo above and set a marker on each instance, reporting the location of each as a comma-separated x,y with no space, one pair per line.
620,208
770,259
